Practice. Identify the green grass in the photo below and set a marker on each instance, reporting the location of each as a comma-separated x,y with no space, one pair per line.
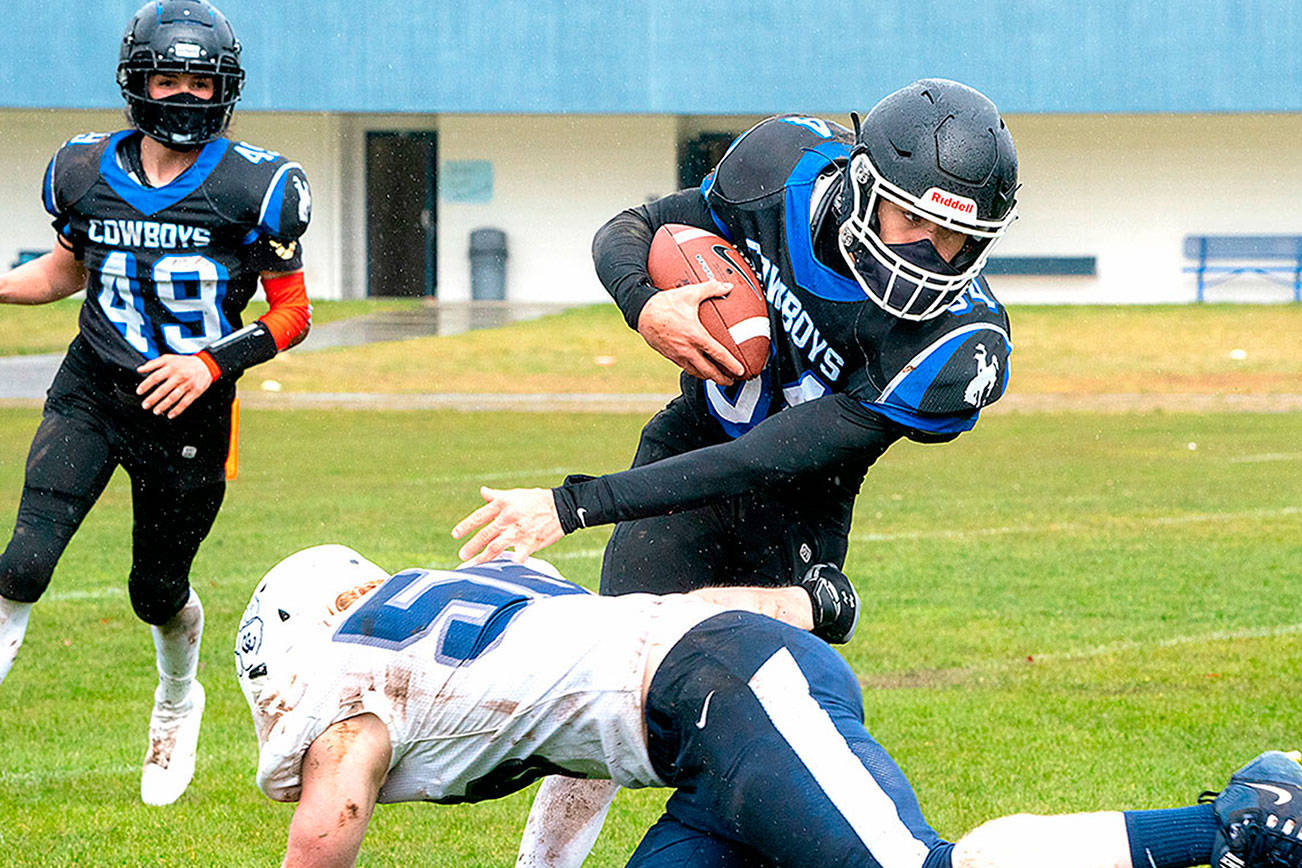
1062,612
1075,350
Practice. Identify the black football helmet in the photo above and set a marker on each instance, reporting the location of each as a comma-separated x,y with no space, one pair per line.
939,149
180,36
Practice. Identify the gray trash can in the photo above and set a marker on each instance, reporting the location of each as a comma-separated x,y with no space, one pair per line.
487,265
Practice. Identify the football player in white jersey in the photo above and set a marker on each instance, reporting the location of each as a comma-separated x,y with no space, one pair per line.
463,685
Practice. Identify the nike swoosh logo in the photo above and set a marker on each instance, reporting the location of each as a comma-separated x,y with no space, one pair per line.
705,709
1282,796
583,516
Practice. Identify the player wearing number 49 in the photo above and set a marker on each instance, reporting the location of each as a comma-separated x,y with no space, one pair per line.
168,227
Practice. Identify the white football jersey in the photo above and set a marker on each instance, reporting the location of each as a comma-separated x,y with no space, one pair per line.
485,679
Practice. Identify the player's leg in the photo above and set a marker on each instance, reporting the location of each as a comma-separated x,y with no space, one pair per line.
759,727
673,553
670,844
68,465
665,554
177,480
169,526
781,534
564,821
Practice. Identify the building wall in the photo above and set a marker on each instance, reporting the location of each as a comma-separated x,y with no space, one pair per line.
1123,188
556,180
1129,188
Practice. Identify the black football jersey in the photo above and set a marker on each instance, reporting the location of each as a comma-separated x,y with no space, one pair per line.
932,376
171,268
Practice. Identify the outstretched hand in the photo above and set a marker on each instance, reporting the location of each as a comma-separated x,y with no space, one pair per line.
521,519
172,383
670,322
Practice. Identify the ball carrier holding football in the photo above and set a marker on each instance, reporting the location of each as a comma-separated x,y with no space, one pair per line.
168,227
867,247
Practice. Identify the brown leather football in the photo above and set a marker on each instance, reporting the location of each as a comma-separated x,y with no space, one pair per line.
682,255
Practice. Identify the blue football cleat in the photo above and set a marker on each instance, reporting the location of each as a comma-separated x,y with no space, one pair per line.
1259,814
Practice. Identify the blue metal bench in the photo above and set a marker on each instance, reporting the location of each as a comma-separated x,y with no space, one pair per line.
1265,255
1041,265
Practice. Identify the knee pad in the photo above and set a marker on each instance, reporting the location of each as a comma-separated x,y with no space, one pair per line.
157,598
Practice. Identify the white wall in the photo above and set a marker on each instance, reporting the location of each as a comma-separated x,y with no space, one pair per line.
556,180
1129,188
1125,189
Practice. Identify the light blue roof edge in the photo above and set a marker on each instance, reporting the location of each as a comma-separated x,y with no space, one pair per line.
680,57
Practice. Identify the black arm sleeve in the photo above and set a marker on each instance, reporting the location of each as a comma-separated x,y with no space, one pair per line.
620,248
832,430
249,346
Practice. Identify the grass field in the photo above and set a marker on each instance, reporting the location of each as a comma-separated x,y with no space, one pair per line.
1063,611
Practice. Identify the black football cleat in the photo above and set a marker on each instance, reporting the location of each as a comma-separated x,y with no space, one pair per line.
835,603
1259,814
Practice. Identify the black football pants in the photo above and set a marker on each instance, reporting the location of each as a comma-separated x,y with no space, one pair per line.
767,537
92,424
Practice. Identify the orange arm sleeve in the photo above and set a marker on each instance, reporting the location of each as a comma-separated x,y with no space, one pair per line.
290,316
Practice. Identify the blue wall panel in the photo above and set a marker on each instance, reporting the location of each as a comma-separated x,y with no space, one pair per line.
691,57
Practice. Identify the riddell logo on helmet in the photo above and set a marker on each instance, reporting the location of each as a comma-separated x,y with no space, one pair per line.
941,202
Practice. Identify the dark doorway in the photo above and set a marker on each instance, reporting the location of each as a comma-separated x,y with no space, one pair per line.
401,221
698,156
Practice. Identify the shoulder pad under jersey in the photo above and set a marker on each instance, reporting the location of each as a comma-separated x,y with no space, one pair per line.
262,189
72,171
955,367
759,162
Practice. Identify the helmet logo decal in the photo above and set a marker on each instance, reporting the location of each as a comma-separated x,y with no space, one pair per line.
248,643
938,200
187,50
986,376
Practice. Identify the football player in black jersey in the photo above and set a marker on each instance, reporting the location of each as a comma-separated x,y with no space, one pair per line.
869,246
168,227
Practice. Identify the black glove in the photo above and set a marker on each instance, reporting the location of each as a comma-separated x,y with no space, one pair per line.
835,603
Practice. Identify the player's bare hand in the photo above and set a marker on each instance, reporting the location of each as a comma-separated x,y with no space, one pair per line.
172,383
670,323
521,519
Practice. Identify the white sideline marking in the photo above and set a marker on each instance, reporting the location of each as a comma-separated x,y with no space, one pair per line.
1269,456
1127,645
7,778
501,474
977,532
93,594
1111,521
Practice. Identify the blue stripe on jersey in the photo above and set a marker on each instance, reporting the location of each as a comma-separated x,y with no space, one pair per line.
252,236
47,190
933,424
706,183
810,274
151,200
271,208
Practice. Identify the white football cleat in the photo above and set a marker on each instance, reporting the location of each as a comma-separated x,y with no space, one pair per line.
173,743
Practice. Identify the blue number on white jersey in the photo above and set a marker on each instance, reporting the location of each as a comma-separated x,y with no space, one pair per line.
468,608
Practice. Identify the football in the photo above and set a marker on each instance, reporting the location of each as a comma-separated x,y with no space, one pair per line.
682,255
